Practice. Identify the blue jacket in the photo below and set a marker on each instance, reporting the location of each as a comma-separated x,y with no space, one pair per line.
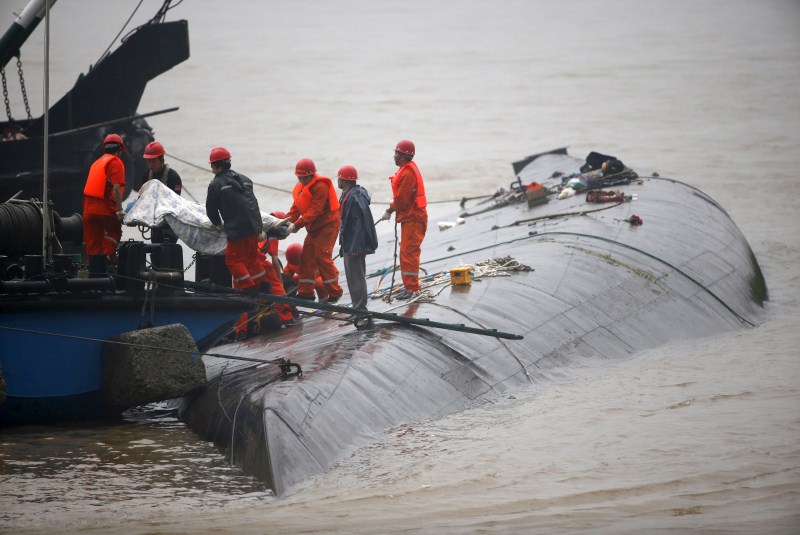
357,231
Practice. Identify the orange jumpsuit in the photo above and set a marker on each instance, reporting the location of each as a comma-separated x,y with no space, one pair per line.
271,277
101,228
316,207
293,271
409,202
285,311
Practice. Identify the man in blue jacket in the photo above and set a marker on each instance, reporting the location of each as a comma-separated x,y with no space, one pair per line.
357,236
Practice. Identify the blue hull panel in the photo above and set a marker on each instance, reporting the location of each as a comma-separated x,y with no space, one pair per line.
58,375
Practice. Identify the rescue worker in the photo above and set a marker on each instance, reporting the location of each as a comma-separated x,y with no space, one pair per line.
231,206
357,236
408,192
316,208
159,170
272,284
292,270
268,250
102,205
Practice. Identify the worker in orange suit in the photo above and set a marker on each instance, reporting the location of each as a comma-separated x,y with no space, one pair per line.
272,283
232,207
408,192
268,250
292,270
316,208
102,205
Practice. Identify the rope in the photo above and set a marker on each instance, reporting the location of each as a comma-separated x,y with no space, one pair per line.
241,398
476,322
148,296
20,228
143,346
671,266
209,170
261,184
488,268
561,214
394,270
120,32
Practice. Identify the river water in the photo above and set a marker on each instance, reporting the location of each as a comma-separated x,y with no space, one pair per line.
699,436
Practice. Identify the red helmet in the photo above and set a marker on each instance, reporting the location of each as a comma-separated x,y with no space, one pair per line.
348,172
279,214
218,154
305,167
293,253
153,150
406,147
114,138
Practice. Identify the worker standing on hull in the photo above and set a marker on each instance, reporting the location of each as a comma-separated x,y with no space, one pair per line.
357,236
102,205
232,206
316,207
408,192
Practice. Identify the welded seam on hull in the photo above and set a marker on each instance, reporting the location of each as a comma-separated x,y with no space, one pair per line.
673,267
327,398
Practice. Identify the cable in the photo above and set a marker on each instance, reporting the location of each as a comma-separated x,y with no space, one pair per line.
209,170
394,270
476,322
678,270
144,346
120,32
561,214
260,184
671,266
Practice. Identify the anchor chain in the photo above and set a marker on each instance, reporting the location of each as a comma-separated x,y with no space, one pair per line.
24,92
5,96
22,86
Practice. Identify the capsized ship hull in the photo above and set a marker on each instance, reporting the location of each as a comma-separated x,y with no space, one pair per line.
600,289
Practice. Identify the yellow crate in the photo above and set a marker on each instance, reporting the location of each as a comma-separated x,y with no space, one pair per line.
461,275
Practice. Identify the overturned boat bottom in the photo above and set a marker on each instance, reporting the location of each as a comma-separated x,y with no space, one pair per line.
355,384
609,278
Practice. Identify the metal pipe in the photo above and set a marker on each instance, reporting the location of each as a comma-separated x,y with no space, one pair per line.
114,121
380,315
47,250
21,29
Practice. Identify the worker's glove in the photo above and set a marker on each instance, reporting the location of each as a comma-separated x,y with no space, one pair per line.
292,228
121,216
387,215
262,236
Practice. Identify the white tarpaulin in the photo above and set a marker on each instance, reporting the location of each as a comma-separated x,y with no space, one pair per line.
157,205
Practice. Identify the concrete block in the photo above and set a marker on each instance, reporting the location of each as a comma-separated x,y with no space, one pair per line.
137,374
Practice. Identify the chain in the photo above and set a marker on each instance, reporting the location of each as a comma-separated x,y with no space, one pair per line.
22,85
5,96
194,259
